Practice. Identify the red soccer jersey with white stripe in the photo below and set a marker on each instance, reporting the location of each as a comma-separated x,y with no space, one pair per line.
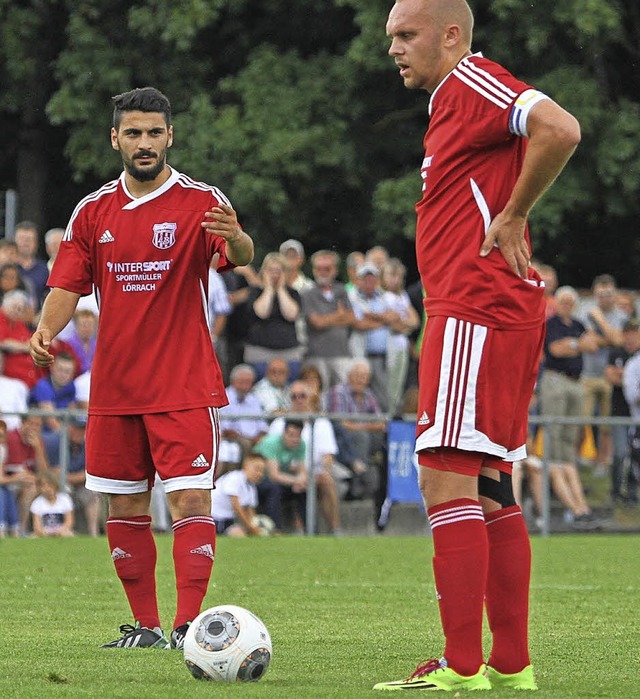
148,259
474,149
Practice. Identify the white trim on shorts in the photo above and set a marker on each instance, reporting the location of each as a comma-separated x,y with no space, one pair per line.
115,487
201,481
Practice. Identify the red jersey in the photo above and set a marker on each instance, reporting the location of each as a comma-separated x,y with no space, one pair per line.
18,365
474,149
148,259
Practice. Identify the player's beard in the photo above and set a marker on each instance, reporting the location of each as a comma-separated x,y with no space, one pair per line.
147,174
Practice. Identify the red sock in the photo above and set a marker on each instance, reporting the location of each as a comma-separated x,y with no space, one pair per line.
133,551
194,544
460,571
508,589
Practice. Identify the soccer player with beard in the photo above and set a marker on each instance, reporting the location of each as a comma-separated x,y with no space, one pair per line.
145,242
493,146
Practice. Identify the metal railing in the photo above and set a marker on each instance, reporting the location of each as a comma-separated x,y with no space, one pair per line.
65,416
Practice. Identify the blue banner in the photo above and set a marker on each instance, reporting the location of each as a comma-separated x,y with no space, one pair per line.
403,464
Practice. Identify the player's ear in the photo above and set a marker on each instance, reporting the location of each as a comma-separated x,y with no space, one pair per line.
170,143
452,35
114,139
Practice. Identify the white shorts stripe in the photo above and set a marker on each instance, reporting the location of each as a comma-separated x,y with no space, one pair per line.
115,487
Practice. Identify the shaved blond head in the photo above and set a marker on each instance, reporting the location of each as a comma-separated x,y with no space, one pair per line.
447,12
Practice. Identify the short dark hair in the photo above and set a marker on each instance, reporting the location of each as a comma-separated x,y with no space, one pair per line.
141,99
603,280
298,424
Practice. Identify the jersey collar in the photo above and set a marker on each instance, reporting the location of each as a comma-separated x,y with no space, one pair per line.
433,94
136,202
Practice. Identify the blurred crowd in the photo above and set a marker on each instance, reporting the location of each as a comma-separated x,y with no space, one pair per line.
298,339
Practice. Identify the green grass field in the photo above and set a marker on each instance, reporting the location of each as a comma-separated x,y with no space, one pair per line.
343,614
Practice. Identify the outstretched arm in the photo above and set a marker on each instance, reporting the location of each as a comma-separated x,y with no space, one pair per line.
554,134
57,311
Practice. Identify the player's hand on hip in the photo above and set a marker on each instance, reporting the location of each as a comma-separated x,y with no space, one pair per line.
222,221
508,234
39,348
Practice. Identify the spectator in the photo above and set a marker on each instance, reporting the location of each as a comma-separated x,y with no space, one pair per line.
239,282
631,389
52,239
292,252
618,357
378,255
626,302
11,278
415,292
273,390
8,252
241,435
561,395
13,398
367,440
75,476
33,269
607,321
9,522
321,450
550,278
374,321
286,475
398,351
52,511
219,307
310,374
235,498
83,338
273,309
83,385
354,260
56,391
329,318
26,458
16,313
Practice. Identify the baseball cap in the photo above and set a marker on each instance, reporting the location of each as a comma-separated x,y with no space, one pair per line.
368,268
292,244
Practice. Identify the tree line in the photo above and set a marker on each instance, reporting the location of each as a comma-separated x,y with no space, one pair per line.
295,110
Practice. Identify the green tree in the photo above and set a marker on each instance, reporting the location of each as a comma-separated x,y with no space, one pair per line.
296,111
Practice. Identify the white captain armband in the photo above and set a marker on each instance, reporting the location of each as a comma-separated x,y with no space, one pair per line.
520,111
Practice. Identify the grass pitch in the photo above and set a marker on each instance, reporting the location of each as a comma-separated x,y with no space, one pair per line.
343,614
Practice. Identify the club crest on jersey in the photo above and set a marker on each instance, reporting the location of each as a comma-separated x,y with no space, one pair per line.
164,235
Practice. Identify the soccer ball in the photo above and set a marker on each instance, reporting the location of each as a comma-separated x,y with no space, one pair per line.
227,644
265,523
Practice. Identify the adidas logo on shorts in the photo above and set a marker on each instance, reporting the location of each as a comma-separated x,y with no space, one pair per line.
424,418
200,462
204,550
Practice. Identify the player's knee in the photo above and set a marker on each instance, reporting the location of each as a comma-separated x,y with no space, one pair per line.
189,503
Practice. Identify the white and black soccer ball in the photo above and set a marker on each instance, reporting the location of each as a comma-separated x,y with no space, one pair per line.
265,524
227,644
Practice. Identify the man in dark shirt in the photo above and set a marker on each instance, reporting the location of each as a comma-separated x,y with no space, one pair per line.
618,357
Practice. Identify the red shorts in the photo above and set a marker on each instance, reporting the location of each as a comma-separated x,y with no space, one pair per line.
124,452
475,387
